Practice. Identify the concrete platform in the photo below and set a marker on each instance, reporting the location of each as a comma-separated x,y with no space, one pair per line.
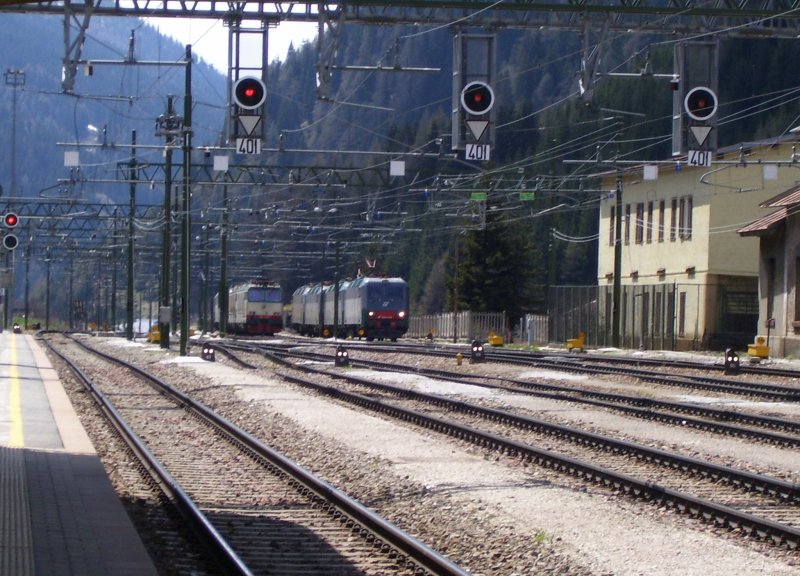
59,514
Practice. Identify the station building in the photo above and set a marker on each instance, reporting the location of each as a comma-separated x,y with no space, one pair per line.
778,234
689,279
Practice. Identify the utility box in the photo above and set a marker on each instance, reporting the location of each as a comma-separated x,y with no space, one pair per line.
758,350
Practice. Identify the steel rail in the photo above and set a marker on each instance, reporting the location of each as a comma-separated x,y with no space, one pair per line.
726,422
393,536
719,514
636,405
716,365
216,544
558,359
782,393
564,362
785,490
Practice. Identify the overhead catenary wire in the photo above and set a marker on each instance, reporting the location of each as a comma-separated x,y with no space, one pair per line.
555,153
574,239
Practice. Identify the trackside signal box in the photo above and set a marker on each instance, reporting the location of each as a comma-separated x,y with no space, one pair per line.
694,101
10,240
473,101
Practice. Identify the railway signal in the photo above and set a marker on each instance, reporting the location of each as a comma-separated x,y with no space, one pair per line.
10,240
249,93
732,365
473,99
208,353
477,98
695,102
477,353
342,357
700,103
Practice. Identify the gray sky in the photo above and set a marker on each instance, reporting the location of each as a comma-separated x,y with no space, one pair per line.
209,38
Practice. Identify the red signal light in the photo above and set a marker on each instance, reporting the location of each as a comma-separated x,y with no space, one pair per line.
249,92
700,103
10,220
477,98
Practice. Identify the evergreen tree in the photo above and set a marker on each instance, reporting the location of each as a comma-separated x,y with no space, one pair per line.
497,267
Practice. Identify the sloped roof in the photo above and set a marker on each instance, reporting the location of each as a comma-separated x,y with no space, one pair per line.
787,198
764,225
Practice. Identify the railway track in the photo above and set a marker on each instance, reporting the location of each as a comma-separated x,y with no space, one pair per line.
695,376
715,365
768,429
775,384
747,503
255,509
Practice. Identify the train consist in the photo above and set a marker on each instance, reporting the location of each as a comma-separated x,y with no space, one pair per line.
368,307
254,308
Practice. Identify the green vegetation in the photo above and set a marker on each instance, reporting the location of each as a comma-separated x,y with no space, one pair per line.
534,230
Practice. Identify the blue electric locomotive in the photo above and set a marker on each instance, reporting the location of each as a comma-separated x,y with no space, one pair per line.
366,307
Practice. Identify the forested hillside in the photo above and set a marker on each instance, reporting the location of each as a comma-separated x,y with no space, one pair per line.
509,247
512,252
104,108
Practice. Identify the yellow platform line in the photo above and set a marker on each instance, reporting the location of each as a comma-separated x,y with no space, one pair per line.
16,437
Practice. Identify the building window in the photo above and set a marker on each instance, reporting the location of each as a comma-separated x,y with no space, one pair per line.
640,223
612,226
650,222
682,314
627,224
685,214
662,208
796,294
673,220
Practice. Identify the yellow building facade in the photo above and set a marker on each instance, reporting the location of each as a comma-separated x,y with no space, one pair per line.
688,279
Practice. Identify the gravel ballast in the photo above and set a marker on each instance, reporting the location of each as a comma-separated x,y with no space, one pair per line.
550,524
